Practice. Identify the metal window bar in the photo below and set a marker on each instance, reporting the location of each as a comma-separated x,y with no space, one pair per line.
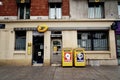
93,41
20,44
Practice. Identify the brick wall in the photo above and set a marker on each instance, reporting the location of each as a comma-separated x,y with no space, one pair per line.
9,8
65,8
39,8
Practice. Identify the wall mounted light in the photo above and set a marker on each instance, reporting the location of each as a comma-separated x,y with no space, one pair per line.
114,25
1,3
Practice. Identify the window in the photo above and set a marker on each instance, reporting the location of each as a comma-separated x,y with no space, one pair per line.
91,40
96,10
24,11
119,9
20,40
55,11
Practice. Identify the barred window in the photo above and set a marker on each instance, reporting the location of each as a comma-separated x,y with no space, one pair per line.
20,40
91,40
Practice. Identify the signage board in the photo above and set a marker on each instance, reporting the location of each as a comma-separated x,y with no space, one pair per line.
2,26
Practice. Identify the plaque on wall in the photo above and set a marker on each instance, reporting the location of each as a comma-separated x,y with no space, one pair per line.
2,26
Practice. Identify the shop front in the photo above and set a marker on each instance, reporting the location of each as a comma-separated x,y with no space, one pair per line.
33,43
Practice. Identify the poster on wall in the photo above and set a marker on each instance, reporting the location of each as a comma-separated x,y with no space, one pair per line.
80,57
67,57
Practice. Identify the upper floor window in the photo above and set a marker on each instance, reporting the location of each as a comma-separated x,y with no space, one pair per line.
24,11
95,10
55,11
119,9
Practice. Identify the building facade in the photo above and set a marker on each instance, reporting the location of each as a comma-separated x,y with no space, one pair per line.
69,24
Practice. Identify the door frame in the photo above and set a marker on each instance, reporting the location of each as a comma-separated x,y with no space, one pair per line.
35,33
118,59
53,52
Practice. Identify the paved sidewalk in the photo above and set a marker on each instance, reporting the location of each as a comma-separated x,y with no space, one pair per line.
60,73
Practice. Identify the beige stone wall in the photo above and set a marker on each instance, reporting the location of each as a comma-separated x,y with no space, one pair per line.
78,9
111,11
69,39
47,48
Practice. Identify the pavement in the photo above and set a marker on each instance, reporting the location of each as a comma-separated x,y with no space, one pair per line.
59,73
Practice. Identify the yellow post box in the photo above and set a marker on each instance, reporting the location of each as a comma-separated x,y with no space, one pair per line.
67,57
79,57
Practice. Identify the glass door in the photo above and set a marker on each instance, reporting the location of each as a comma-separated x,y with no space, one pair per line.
118,48
56,51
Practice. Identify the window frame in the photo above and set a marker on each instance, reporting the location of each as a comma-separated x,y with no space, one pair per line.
95,6
90,41
119,9
25,8
57,10
22,37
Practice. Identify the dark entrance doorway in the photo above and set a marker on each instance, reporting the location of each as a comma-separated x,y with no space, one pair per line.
38,48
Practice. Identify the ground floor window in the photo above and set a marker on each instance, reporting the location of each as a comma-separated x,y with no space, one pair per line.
20,40
93,40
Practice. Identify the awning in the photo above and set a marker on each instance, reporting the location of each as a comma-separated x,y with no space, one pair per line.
23,1
55,1
62,28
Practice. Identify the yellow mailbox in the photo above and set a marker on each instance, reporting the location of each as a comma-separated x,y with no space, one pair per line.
67,57
79,57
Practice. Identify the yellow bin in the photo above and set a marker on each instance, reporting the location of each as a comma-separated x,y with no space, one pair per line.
79,57
67,57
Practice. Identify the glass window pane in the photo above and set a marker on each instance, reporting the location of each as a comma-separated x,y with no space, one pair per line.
119,9
84,40
95,10
91,40
24,11
52,13
21,12
58,13
55,11
20,40
100,41
118,45
91,12
27,12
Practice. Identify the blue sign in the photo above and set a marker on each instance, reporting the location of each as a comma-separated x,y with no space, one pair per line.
2,26
80,57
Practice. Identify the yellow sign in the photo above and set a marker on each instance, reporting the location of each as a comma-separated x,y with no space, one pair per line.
42,28
22,1
67,57
29,48
55,48
79,57
97,0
